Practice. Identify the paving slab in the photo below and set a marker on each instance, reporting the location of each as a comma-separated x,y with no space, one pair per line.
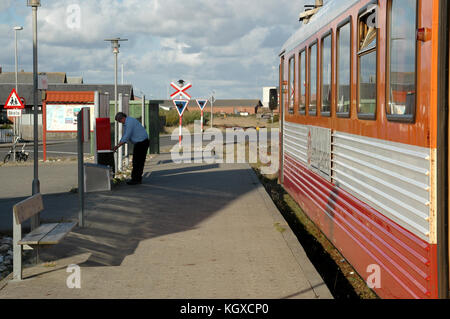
190,231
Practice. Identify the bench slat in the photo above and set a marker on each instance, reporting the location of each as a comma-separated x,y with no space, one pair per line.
58,234
36,235
28,208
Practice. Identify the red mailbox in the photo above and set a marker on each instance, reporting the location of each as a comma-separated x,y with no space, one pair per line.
103,134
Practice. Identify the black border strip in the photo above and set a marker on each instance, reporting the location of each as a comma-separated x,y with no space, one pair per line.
442,152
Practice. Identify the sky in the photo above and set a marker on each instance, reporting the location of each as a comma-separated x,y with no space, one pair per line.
230,47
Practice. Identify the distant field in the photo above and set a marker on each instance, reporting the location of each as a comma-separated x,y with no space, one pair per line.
219,121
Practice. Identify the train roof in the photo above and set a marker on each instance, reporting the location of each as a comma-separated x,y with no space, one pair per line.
324,16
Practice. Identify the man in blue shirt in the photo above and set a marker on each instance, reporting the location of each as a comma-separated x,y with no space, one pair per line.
135,133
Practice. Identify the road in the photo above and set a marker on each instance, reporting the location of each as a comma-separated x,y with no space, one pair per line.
68,148
54,149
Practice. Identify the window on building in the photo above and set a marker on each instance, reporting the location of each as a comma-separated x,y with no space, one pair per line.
402,60
343,70
367,65
291,84
302,82
313,80
326,76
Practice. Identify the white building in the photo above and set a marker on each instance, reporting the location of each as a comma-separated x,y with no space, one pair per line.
266,96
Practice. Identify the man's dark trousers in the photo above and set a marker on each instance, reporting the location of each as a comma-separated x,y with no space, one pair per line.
139,156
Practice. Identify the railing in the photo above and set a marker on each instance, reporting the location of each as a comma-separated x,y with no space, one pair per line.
6,136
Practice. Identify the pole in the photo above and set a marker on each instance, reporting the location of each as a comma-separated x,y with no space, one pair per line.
120,151
181,128
212,111
116,125
80,169
15,119
143,111
36,184
202,121
143,118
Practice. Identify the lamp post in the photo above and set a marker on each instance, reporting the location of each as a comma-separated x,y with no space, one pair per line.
34,4
115,46
212,106
17,90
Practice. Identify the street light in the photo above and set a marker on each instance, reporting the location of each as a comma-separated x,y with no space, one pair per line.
36,184
15,38
115,47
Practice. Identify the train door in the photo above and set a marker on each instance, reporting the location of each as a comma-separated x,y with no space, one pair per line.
281,111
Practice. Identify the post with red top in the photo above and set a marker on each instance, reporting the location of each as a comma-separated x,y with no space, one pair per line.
202,104
84,135
181,106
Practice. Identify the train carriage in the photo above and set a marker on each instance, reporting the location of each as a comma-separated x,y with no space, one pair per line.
364,143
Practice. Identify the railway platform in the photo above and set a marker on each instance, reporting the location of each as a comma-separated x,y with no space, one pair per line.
189,231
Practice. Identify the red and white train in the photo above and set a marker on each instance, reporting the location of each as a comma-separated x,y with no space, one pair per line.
365,136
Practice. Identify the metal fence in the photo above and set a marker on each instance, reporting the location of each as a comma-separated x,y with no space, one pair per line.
6,136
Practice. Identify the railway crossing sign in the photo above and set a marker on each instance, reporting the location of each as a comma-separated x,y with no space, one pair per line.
14,101
180,91
181,106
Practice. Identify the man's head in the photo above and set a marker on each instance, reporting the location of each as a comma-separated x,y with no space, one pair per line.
121,117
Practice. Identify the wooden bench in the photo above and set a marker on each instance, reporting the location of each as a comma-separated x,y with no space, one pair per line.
45,235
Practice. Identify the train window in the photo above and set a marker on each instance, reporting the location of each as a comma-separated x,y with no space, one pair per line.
367,65
326,75
302,82
291,85
402,60
313,80
344,70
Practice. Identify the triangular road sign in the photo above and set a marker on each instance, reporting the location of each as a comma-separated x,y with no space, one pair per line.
181,106
202,104
14,101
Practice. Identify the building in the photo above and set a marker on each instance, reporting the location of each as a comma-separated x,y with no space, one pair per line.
266,96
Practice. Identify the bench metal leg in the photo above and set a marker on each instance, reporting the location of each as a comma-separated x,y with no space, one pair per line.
17,250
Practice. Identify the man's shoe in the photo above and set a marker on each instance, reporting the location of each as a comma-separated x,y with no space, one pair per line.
134,182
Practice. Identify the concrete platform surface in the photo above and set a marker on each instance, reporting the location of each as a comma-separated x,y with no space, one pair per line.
189,232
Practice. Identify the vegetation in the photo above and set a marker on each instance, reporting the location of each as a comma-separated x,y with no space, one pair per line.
173,119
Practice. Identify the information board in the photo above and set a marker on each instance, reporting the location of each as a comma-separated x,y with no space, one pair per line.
63,118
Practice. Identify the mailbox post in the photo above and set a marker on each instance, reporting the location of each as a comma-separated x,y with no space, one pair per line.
84,135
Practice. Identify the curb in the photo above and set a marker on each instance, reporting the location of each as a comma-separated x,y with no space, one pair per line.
31,144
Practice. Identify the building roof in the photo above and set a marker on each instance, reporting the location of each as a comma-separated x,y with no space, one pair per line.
69,97
75,80
26,90
27,77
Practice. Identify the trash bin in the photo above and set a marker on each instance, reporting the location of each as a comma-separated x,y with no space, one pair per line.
106,158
